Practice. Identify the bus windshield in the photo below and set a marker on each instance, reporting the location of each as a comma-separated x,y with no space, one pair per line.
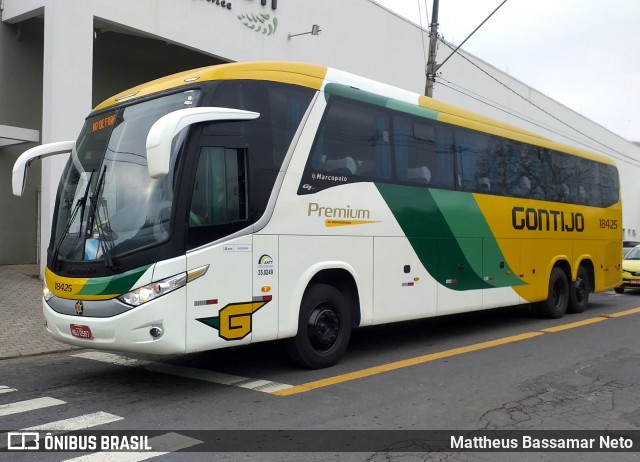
107,203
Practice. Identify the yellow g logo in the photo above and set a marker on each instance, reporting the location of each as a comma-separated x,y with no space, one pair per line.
235,320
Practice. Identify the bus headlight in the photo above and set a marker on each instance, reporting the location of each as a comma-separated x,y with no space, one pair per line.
46,293
154,290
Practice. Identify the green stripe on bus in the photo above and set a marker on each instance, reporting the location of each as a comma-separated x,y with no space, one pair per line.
113,285
371,98
412,109
449,235
466,221
354,94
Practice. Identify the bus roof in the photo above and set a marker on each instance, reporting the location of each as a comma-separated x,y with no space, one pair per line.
314,76
307,75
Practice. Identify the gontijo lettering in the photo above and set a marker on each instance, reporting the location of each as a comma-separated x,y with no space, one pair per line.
546,220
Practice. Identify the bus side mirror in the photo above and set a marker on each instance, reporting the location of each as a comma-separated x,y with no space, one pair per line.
166,127
19,177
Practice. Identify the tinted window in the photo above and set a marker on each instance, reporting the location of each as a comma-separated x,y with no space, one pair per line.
608,185
480,162
353,144
422,152
357,141
281,108
494,165
268,138
220,190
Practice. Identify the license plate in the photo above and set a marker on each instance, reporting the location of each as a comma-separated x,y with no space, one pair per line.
81,331
635,282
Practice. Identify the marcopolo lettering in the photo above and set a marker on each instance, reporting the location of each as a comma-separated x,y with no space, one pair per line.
546,220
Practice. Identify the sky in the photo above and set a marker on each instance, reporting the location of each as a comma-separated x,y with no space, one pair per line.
582,53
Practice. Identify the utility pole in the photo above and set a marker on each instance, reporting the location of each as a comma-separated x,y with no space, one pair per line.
433,42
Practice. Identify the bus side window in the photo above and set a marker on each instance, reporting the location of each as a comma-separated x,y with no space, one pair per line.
547,180
564,172
287,105
403,144
353,140
423,152
608,185
523,168
220,189
585,178
474,159
493,160
444,171
536,172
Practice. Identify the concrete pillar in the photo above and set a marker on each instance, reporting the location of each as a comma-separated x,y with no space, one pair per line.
68,64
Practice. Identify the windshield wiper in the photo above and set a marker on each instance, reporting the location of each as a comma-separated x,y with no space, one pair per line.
82,201
105,233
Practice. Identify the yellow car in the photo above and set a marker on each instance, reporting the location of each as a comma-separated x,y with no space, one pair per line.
630,270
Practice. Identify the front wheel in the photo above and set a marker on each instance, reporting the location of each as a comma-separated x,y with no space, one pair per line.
324,328
579,292
555,306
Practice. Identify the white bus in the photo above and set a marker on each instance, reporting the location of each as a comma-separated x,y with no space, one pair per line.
250,202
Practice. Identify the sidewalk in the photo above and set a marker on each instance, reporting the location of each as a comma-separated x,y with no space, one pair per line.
22,331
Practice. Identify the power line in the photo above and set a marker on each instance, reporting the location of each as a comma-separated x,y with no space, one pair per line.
424,49
469,36
426,10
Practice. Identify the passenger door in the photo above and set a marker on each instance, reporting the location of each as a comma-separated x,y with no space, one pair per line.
219,302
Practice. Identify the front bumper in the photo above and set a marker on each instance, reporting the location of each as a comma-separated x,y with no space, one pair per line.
130,331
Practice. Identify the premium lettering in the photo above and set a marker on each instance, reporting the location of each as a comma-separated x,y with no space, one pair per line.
546,220
315,209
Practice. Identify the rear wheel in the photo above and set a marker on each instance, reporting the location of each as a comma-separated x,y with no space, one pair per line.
579,291
555,306
324,328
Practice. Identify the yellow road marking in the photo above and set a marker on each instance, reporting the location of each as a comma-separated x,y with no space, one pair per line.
573,325
305,387
623,313
402,364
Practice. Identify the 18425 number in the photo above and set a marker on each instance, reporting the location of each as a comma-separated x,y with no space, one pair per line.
608,224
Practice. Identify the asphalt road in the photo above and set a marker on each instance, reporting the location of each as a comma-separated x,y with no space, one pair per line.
503,369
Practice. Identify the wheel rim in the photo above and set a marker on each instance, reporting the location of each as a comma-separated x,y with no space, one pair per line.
323,327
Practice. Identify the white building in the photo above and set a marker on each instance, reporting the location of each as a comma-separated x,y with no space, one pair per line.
59,58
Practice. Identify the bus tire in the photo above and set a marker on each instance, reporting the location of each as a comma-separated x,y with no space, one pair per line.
579,291
555,306
324,328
